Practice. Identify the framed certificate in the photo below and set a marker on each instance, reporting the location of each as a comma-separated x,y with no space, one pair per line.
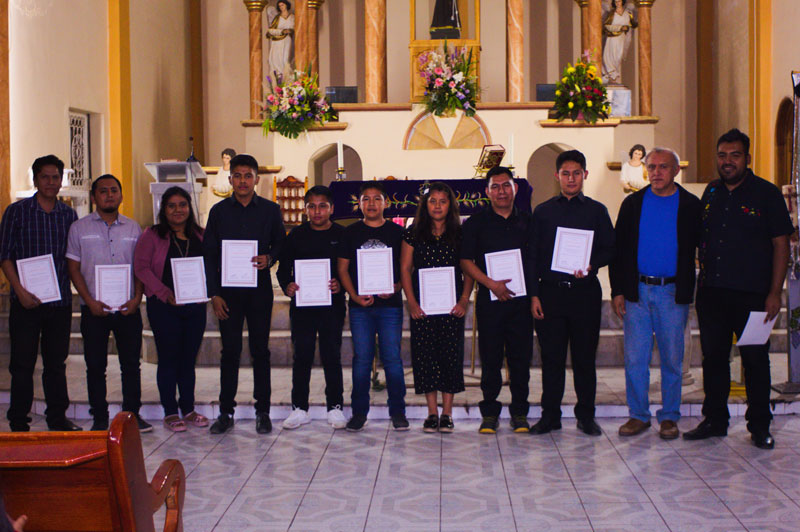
38,276
238,269
507,264
375,271
437,290
572,250
313,276
112,284
189,280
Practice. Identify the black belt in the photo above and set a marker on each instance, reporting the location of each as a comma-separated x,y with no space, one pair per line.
573,283
658,281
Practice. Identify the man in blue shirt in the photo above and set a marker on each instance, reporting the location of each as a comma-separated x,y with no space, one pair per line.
33,227
652,285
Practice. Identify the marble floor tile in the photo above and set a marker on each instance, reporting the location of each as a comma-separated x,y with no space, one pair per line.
603,493
756,511
696,513
628,514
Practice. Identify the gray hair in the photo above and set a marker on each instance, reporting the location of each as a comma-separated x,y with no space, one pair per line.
670,151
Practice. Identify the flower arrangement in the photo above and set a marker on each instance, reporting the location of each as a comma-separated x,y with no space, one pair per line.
450,81
580,93
294,105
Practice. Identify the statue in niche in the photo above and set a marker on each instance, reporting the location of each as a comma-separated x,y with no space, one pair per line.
222,186
619,20
446,23
280,34
634,174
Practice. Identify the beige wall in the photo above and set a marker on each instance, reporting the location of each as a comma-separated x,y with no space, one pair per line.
785,43
160,92
58,60
731,66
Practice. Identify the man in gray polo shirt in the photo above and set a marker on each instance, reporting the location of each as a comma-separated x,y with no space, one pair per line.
105,237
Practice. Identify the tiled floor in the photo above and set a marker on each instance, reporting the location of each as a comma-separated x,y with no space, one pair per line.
316,479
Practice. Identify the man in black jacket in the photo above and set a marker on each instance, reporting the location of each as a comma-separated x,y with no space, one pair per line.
652,286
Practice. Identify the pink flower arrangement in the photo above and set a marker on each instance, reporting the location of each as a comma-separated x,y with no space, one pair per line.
450,81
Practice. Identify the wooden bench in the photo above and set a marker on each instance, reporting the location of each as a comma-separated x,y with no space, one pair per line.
82,481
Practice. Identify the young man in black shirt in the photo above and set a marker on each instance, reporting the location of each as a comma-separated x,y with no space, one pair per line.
378,314
243,216
505,326
317,238
566,306
744,253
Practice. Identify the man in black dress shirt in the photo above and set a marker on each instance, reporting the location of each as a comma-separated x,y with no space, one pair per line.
744,254
505,326
318,238
243,216
566,306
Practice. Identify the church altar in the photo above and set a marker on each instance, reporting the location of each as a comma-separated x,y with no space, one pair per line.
404,196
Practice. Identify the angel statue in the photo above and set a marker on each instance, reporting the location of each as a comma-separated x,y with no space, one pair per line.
280,33
634,174
618,21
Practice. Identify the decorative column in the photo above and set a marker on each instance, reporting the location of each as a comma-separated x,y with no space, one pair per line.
645,57
254,9
584,5
515,77
375,50
312,48
594,23
300,35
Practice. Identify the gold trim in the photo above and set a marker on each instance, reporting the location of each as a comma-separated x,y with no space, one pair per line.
274,169
616,166
760,115
330,126
255,5
315,4
119,85
644,3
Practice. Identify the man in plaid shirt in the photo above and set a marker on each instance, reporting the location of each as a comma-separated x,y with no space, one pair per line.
33,227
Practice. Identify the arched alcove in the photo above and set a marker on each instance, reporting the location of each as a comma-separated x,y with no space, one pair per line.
542,170
783,142
322,165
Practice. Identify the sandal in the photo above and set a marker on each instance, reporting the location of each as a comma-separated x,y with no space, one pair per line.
195,419
174,423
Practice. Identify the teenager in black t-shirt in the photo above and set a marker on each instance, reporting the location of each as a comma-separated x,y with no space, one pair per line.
318,238
378,314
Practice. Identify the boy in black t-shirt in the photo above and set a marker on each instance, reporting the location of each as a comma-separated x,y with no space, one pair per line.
380,314
316,239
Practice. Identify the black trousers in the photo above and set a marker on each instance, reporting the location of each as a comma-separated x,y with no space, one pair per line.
256,307
178,334
25,327
307,323
571,319
128,337
505,328
721,313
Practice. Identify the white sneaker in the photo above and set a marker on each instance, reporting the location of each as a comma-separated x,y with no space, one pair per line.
296,418
336,418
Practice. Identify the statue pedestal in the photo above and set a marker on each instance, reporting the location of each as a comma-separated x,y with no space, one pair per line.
620,98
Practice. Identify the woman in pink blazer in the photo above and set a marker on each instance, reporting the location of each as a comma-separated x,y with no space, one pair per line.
177,329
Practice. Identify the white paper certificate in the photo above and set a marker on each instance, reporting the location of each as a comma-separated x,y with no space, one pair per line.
437,290
507,264
572,250
238,268
375,271
112,284
756,332
189,280
38,276
313,276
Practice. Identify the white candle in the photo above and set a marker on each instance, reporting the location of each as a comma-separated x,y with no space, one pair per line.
511,150
340,154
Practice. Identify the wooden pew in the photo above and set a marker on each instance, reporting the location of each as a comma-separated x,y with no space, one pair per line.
82,481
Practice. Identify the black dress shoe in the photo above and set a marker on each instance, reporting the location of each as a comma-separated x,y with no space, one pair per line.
63,425
263,423
704,431
589,426
100,423
223,423
763,439
19,427
543,426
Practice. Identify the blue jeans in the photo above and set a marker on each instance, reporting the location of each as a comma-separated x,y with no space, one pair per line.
387,323
655,312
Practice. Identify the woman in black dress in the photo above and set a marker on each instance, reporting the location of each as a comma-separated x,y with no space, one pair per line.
437,342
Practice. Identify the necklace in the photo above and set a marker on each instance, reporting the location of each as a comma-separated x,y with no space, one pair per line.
178,245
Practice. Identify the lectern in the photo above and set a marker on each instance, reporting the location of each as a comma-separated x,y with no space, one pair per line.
176,174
